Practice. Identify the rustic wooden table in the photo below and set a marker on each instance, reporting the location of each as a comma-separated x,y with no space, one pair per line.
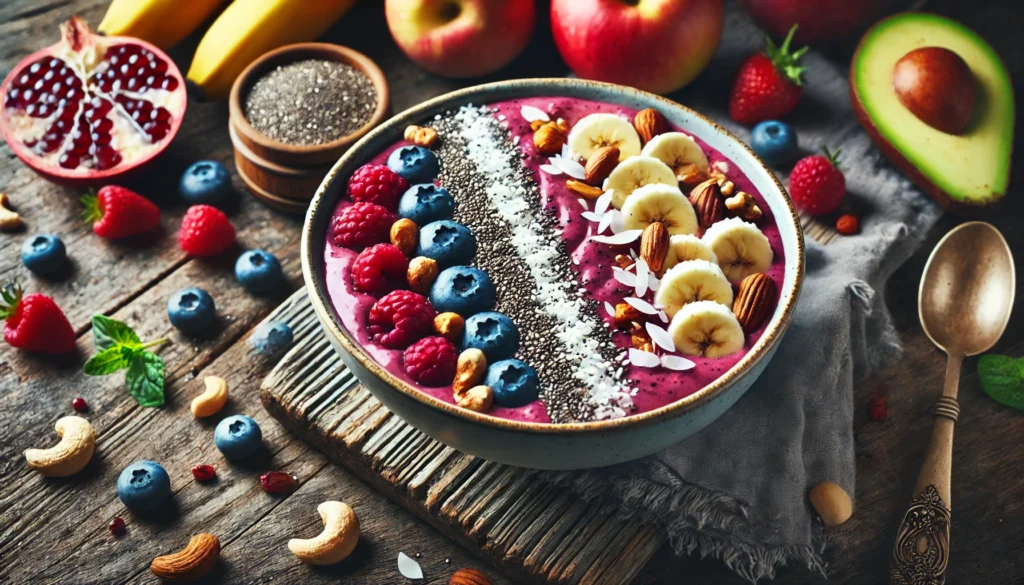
55,531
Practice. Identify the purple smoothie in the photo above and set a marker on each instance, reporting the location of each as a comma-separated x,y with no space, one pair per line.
657,387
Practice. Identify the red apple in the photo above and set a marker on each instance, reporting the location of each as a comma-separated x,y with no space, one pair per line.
654,45
821,21
461,38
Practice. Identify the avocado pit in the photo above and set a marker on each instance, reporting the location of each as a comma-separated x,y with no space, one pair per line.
937,86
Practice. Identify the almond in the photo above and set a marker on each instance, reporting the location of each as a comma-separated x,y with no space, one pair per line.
421,274
190,563
450,326
421,136
625,315
708,203
478,398
469,577
754,300
583,190
549,138
742,205
654,245
404,234
469,370
649,123
601,163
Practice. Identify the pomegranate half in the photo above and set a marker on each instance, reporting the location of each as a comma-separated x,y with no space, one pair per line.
91,108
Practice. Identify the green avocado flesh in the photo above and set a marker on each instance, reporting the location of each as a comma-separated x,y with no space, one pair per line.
972,168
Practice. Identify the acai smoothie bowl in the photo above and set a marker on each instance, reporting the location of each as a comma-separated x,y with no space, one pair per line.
553,273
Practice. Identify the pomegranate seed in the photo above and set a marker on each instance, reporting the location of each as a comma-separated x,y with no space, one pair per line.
204,472
877,408
117,526
278,482
79,404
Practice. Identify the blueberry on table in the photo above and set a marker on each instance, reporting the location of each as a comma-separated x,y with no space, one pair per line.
514,383
43,254
143,485
259,271
205,181
271,337
191,310
425,203
414,164
774,142
492,333
238,436
464,290
448,242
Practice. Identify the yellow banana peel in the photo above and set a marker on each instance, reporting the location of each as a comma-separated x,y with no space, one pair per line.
249,28
161,22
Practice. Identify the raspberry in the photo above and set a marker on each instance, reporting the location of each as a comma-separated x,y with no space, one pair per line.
377,184
362,224
400,318
205,231
431,361
379,269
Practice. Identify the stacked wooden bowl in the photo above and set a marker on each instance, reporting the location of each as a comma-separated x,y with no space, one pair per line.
285,176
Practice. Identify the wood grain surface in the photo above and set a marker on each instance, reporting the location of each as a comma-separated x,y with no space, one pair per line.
54,531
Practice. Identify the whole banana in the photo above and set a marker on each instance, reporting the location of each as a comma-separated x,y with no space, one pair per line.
249,28
162,22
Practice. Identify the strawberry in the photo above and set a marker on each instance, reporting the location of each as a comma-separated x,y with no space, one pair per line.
205,231
34,322
116,212
816,184
767,85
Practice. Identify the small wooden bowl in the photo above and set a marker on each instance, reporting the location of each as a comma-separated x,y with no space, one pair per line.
294,183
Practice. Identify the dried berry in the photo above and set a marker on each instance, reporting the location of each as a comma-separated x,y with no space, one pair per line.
117,526
877,408
79,404
278,482
204,472
847,225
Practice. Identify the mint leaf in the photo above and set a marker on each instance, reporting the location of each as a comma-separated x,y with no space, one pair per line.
1002,378
108,361
108,332
145,379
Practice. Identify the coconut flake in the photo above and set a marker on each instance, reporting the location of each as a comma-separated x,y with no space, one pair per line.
653,283
606,221
531,114
674,362
618,222
660,337
602,203
591,216
643,359
642,306
609,308
569,167
619,239
663,316
642,274
550,169
409,568
583,203
626,278
722,167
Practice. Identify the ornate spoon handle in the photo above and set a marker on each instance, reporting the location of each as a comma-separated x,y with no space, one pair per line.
921,553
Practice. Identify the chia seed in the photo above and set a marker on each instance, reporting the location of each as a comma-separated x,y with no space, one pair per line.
310,102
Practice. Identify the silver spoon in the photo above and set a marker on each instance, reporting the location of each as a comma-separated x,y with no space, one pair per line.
964,303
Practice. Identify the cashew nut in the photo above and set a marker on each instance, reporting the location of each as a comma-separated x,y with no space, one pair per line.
9,219
190,563
336,542
71,454
212,400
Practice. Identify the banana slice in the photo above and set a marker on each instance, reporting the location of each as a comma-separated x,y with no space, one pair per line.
687,247
597,130
659,203
635,172
740,247
690,282
706,328
676,149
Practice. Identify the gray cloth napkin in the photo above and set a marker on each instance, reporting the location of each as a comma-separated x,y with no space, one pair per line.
738,489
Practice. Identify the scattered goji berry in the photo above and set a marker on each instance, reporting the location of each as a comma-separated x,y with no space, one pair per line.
877,408
79,404
203,472
117,526
278,482
847,225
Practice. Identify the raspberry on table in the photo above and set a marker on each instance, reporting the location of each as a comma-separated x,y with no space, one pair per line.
431,361
379,269
362,224
400,318
377,184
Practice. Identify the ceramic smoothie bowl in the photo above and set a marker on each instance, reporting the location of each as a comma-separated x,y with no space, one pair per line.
603,303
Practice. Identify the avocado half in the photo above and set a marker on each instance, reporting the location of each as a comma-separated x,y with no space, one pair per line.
962,171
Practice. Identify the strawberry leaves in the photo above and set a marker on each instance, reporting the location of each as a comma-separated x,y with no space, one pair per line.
1002,378
786,62
122,349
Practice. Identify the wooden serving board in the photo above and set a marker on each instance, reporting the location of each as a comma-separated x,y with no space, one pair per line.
530,530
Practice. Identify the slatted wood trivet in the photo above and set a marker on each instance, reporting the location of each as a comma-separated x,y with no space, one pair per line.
533,532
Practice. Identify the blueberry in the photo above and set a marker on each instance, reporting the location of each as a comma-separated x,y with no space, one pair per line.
259,272
271,337
447,242
774,142
206,181
191,310
43,254
462,289
514,383
414,163
143,485
425,203
238,436
492,333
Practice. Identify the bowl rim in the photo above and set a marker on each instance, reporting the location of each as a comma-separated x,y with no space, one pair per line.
312,266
